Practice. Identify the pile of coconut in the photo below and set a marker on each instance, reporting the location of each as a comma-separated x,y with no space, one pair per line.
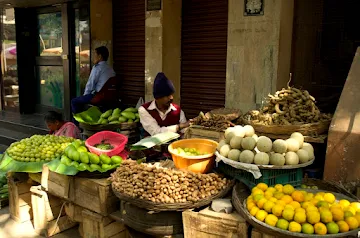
243,145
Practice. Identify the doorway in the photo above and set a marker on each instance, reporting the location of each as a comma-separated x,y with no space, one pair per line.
52,49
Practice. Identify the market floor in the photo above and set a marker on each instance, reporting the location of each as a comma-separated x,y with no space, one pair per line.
10,229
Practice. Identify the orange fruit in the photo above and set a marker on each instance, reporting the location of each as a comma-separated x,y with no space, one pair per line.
320,228
288,189
268,206
298,196
262,186
277,210
344,203
329,198
254,210
261,203
338,214
279,187
282,224
313,217
287,199
307,228
271,220
295,204
288,214
261,215
343,226
326,216
332,228
278,195
352,222
294,227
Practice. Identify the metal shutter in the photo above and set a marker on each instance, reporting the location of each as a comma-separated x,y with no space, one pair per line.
204,49
129,48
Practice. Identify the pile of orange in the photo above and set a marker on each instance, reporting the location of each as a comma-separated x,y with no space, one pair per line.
299,211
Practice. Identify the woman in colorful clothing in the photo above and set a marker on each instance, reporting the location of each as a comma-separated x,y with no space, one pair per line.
59,127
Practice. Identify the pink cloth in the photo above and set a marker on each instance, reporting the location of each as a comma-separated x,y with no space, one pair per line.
69,129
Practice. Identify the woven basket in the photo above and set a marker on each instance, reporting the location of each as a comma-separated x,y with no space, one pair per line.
160,207
239,196
310,129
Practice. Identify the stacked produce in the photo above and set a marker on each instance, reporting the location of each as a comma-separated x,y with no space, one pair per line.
78,156
4,191
117,116
38,148
188,152
165,185
299,211
290,106
213,121
243,145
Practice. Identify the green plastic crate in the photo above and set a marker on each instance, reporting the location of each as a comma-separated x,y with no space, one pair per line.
269,176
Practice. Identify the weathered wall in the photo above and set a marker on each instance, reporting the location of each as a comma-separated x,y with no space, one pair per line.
254,45
101,25
163,46
153,50
172,43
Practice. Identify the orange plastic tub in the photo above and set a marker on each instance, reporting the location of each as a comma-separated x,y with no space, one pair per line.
198,164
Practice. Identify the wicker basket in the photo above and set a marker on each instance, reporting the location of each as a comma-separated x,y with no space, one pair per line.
310,129
160,207
239,196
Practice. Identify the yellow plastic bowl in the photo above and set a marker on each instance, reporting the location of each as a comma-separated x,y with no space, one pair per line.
198,164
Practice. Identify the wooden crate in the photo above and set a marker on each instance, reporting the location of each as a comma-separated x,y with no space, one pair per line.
210,224
74,212
192,132
49,213
20,196
57,184
97,226
95,195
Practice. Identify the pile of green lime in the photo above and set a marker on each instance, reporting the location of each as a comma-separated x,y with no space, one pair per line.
38,148
77,155
188,152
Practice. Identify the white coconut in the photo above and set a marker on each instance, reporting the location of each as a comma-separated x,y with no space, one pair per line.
261,158
249,130
277,159
248,143
279,146
228,130
229,137
255,137
235,142
299,137
291,158
234,154
264,144
247,156
308,147
303,156
225,149
221,143
292,145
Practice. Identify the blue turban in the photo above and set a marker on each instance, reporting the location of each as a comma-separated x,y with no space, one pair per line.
163,87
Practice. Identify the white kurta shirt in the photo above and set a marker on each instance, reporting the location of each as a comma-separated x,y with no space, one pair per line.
151,125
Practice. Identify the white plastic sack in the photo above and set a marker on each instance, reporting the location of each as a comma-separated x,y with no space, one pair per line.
139,103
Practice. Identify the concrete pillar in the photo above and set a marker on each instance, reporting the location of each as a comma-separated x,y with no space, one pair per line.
101,25
258,54
163,46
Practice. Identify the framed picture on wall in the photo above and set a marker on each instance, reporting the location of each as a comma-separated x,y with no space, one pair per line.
253,7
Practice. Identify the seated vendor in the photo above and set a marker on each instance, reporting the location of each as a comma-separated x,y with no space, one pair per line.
59,127
161,115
